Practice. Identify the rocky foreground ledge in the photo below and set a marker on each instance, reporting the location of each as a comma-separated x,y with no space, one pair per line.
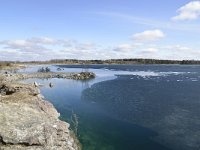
27,121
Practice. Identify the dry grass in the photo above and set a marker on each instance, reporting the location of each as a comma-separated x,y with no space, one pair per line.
10,66
5,65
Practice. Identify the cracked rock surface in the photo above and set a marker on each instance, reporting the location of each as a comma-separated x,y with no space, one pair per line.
28,122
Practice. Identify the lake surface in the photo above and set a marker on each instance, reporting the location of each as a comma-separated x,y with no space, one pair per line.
130,107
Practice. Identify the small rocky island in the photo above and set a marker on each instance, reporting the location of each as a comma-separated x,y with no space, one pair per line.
28,121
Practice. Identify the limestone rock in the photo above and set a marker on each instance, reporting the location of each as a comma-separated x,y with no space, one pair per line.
27,122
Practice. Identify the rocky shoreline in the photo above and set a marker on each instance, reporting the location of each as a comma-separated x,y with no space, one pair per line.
64,75
28,121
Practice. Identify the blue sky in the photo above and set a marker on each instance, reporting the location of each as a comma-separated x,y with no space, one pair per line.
50,29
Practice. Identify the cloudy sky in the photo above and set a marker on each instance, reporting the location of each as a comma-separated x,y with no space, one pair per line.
99,29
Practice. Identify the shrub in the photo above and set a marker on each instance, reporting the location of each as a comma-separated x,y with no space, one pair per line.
46,69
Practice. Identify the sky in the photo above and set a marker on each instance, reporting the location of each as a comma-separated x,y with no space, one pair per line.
99,29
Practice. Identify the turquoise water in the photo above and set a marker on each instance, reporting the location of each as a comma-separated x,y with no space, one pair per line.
131,107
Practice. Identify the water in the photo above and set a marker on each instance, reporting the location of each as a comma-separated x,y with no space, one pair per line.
131,107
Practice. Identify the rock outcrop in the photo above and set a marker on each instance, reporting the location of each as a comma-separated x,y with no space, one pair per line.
28,122
64,75
83,76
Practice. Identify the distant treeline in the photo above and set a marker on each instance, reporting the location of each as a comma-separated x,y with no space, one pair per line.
118,61
109,61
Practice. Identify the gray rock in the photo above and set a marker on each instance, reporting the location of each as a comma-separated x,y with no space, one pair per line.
30,123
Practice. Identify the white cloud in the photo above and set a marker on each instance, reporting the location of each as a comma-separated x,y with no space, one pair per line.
86,46
150,50
178,48
190,11
124,48
45,48
151,23
23,45
43,40
149,35
171,52
16,43
29,49
179,52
